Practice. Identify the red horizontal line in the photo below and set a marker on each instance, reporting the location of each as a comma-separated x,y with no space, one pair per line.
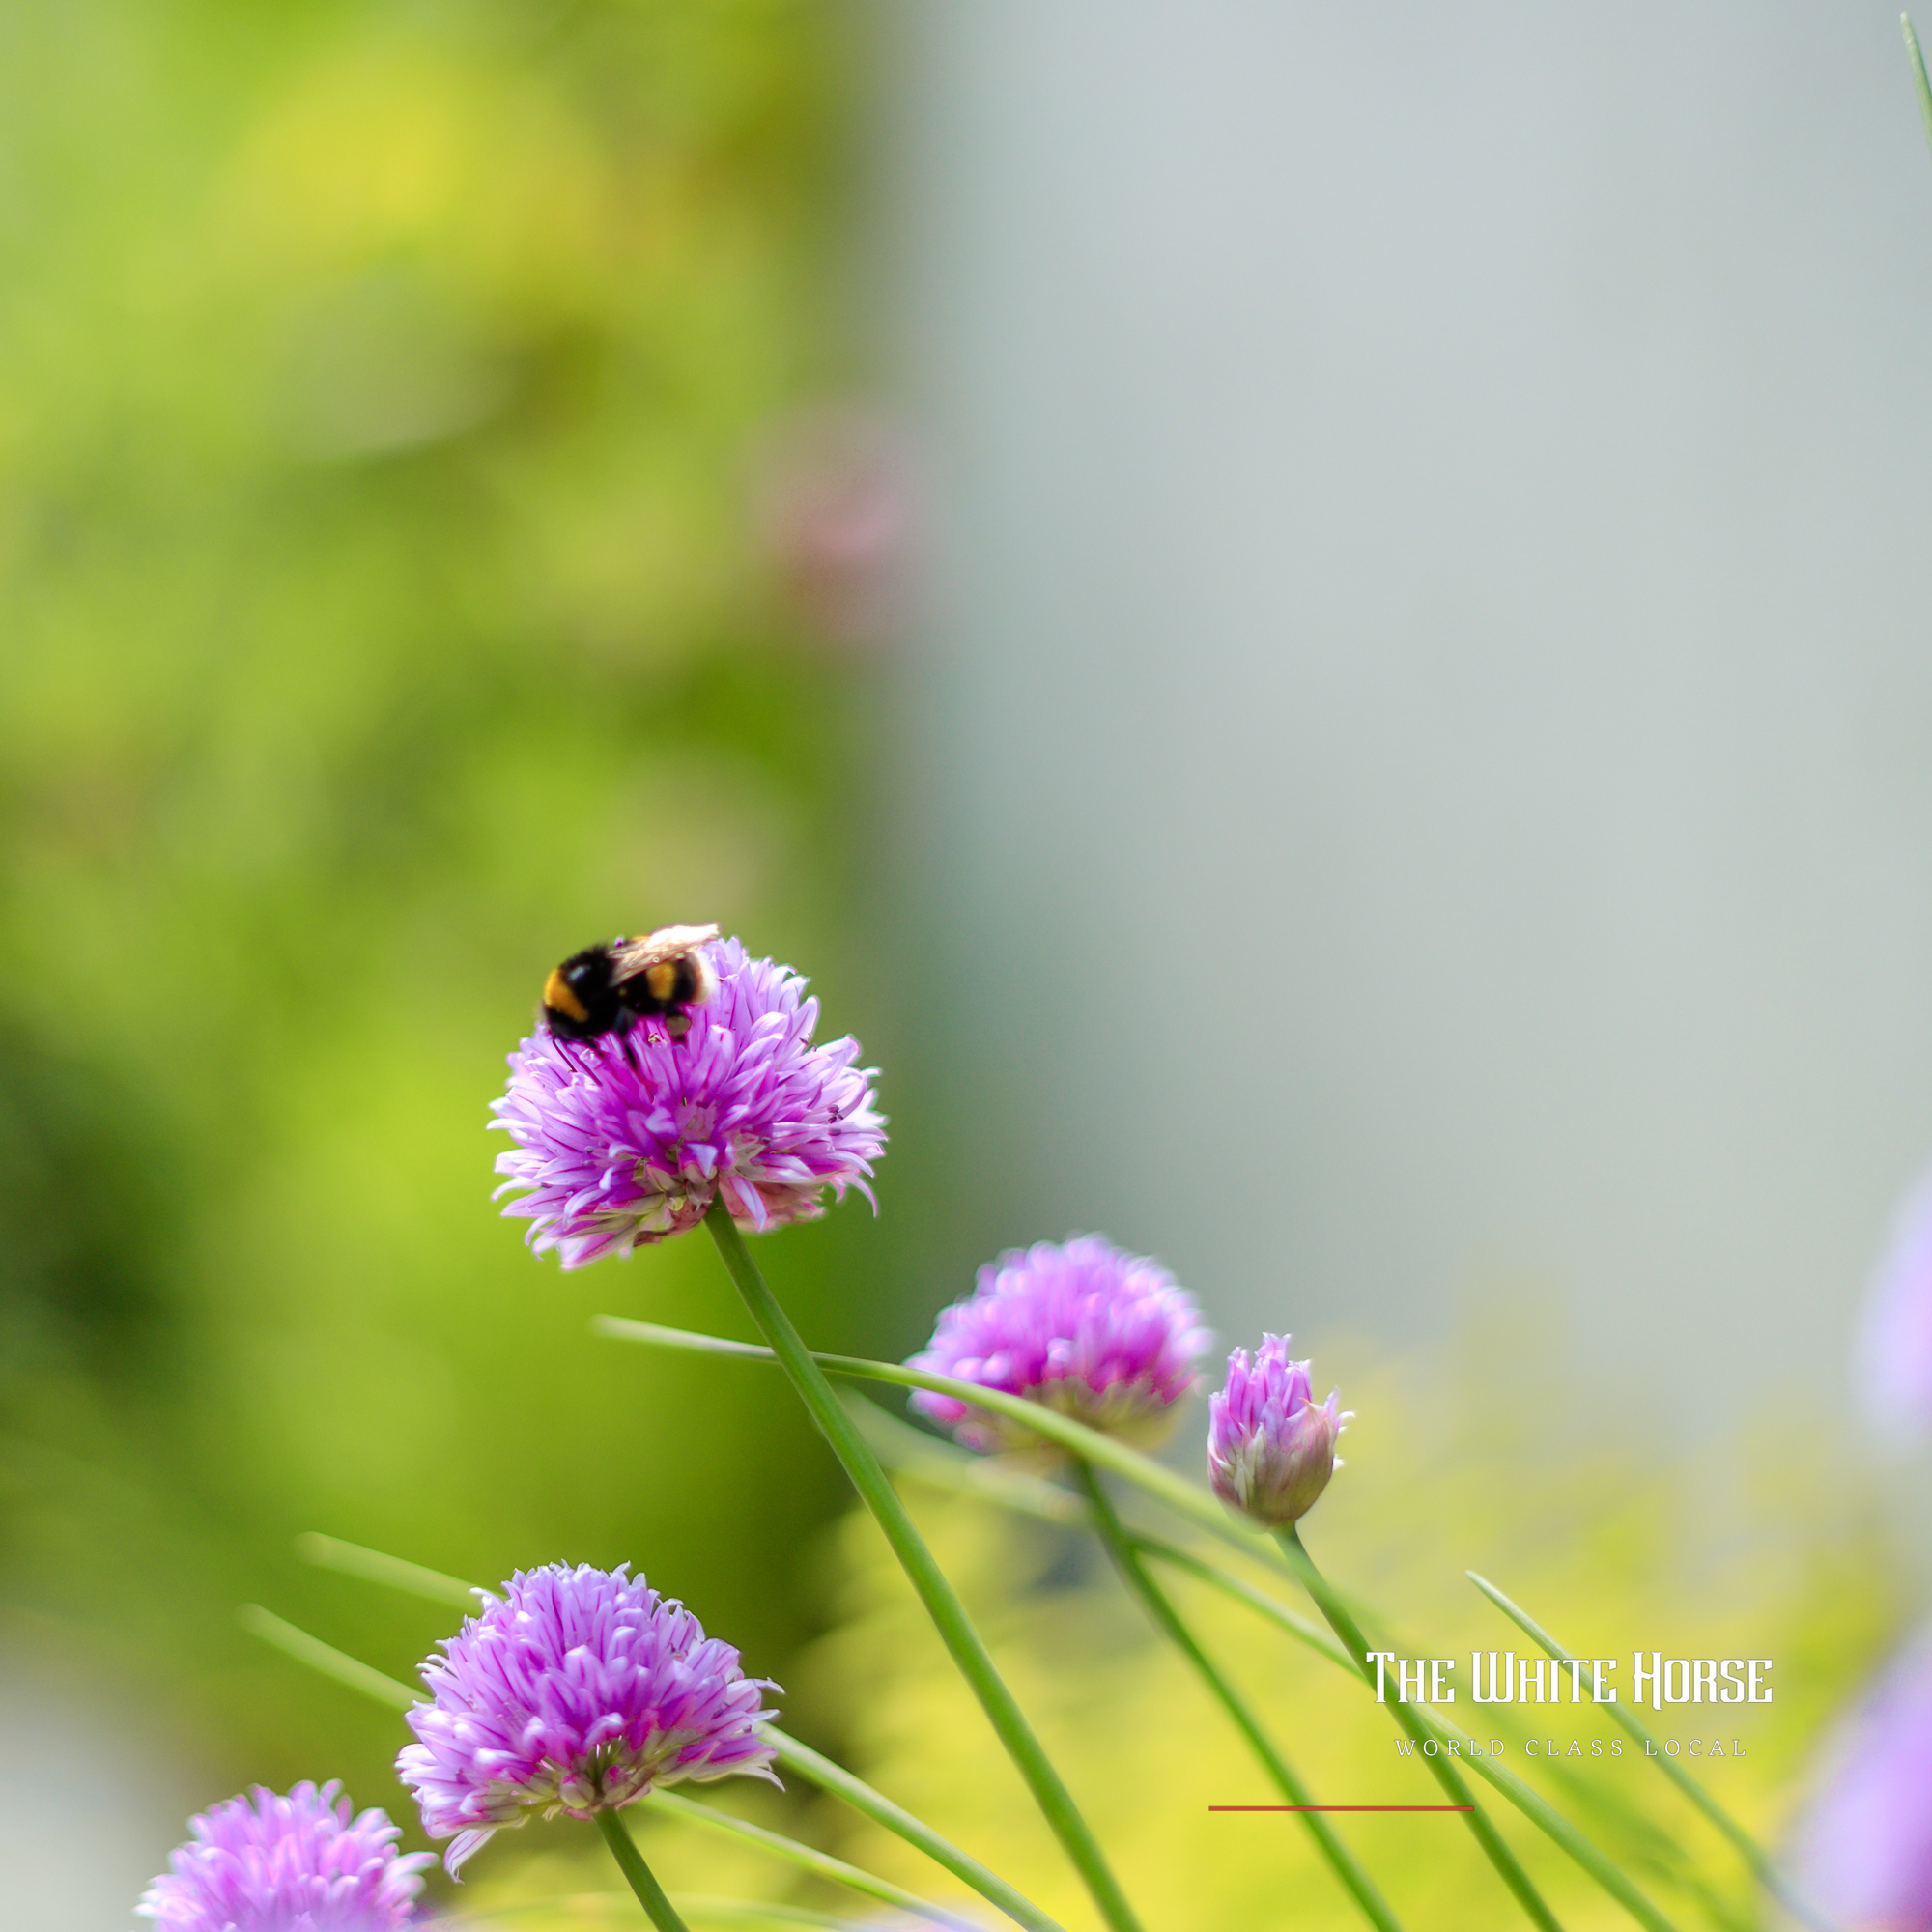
1341,1807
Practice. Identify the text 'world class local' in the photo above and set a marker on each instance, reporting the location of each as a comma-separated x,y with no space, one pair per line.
1553,1747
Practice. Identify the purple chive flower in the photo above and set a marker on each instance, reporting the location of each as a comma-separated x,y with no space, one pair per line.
1101,1335
1891,1358
628,1138
1863,1849
578,1690
1270,1450
299,1863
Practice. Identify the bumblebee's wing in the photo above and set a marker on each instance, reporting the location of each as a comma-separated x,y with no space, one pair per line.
630,956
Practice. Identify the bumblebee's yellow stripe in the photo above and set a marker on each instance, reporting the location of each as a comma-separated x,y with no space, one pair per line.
560,999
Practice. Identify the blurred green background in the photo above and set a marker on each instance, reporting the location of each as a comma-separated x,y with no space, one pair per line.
387,611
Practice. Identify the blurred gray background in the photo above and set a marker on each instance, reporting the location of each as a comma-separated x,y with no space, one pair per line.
1428,653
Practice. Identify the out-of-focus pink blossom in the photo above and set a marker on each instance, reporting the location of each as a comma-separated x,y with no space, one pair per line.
1891,1361
1863,1847
834,510
301,1863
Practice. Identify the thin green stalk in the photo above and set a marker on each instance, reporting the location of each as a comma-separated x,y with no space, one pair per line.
944,1465
932,1460
949,1616
327,1659
1546,1817
1201,1507
638,1875
1620,1713
837,1780
1445,1773
1279,1614
701,1905
1105,1451
1531,1804
1168,1620
822,1865
705,1908
330,1552
1918,75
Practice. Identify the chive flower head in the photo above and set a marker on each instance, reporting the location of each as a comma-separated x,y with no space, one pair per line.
1083,1327
629,1137
1863,1849
1891,1353
576,1692
301,1863
1270,1449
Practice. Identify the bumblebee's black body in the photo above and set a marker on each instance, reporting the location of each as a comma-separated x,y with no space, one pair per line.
603,988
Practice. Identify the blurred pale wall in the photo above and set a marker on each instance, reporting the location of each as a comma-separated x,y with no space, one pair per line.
1429,651
80,1827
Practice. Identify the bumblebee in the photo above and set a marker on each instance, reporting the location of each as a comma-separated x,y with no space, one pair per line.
603,988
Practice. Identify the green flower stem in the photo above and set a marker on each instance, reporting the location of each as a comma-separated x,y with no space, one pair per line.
713,1911
960,1472
710,1910
351,1559
1345,1627
949,1616
327,1659
1761,1862
933,1461
836,1778
1543,1815
822,1865
1546,1817
945,1466
1919,74
702,1907
1166,1619
1299,1626
1104,1451
1201,1507
638,1875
